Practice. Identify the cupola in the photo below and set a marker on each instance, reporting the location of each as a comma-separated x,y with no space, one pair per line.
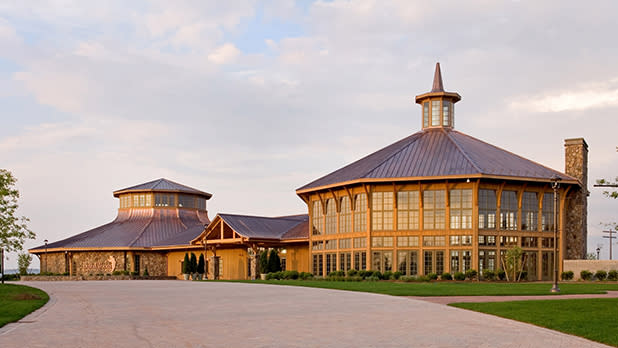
438,106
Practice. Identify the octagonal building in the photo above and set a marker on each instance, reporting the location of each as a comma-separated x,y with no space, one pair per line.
442,201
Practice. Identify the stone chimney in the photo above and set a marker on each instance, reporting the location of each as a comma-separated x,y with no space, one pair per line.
576,217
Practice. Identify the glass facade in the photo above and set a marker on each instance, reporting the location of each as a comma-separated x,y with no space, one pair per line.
382,211
407,210
434,209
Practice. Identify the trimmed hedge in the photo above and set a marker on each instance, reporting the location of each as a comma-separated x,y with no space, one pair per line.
568,275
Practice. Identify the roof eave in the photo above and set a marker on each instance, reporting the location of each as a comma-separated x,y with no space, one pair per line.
453,95
202,194
426,178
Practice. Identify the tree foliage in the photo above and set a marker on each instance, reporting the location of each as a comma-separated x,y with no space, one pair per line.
264,261
201,264
186,266
13,229
609,193
23,263
513,263
274,262
193,264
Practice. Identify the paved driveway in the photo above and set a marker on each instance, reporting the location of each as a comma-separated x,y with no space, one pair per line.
205,314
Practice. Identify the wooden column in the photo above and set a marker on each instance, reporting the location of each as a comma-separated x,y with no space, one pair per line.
254,261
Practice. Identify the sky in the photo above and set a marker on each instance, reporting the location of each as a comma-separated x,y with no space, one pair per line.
250,100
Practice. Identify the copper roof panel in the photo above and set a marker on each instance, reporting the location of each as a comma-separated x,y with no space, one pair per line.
268,227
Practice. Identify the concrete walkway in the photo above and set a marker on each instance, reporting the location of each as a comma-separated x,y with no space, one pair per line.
204,314
457,299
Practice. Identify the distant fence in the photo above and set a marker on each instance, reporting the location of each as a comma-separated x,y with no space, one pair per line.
589,265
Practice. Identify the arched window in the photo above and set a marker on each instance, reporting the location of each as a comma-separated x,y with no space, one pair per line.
317,218
360,213
331,217
345,215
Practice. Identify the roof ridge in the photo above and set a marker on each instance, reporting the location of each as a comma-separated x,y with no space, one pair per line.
516,155
395,153
462,151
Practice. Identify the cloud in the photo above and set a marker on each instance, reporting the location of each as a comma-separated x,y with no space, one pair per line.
591,96
225,54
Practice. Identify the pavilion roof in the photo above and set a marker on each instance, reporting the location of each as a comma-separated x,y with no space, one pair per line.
163,185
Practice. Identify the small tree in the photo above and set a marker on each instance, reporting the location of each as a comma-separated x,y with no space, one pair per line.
193,264
200,265
513,265
13,230
264,262
274,263
23,262
186,266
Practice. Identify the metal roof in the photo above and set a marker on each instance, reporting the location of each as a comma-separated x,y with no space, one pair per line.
140,227
283,227
438,152
163,185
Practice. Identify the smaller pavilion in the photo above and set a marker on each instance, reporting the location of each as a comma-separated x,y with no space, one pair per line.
233,242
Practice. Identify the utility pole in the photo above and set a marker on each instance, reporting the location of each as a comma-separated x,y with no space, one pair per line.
611,238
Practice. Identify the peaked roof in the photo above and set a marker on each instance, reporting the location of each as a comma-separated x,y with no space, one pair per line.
437,86
437,152
140,228
163,185
261,227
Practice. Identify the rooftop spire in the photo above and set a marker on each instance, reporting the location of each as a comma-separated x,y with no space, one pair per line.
438,86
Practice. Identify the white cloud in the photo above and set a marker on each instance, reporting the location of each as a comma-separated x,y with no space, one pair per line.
225,54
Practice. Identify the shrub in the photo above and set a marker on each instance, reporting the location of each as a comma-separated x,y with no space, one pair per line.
612,275
352,273
23,262
600,275
125,272
133,273
365,273
568,275
377,274
201,265
459,276
501,274
186,267
116,273
397,275
274,275
193,264
489,274
387,275
446,276
432,276
353,279
290,275
372,279
305,275
407,279
274,262
471,273
425,278
264,262
585,275
146,272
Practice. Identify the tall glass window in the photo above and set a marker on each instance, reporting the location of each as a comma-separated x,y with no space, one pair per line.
360,260
547,221
434,209
508,210
360,212
186,201
487,209
166,200
461,209
345,215
407,210
529,211
331,217
382,261
382,211
316,218
435,112
407,262
426,114
446,113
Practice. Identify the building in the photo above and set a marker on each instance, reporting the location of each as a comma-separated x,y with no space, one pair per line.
442,201
436,201
155,223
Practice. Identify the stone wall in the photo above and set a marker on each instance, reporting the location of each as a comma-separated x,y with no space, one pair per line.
576,203
103,262
589,265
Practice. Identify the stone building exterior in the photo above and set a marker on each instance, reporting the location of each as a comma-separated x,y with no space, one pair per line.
576,165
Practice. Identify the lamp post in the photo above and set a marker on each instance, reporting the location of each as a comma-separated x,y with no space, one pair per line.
598,253
45,255
555,184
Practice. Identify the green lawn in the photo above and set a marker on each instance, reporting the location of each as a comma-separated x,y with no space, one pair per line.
594,319
449,288
17,301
